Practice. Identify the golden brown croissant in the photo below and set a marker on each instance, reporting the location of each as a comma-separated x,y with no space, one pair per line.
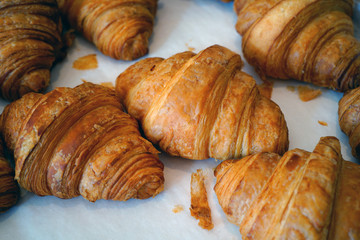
29,42
349,118
307,40
301,195
119,28
202,105
79,141
9,190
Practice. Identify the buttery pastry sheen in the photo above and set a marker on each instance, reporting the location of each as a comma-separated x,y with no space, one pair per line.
119,28
202,105
30,41
72,142
307,40
301,195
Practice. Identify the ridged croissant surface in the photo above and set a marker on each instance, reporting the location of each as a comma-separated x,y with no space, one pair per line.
29,41
202,105
119,28
307,40
72,142
9,190
349,118
301,195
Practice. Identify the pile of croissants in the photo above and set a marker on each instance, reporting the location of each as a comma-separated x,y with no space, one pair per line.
103,143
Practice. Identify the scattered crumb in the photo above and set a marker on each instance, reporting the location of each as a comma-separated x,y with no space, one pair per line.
291,88
306,93
178,208
199,203
108,84
323,123
84,81
190,48
266,89
86,62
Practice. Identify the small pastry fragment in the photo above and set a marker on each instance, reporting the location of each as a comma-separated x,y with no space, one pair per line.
302,195
78,141
178,208
86,62
201,106
307,93
119,28
200,208
323,123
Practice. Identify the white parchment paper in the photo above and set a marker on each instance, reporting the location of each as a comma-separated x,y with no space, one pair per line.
180,25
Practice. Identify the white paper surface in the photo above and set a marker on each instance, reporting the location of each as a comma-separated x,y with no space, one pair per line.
180,26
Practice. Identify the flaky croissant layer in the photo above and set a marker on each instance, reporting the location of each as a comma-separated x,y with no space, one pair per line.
30,40
349,118
202,105
119,28
9,190
307,40
72,142
301,195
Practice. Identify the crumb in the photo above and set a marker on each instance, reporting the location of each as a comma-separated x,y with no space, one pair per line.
266,89
178,208
108,84
199,203
323,123
306,93
291,88
190,48
84,81
86,62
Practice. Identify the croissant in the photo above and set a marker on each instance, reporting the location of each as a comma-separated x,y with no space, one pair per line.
9,190
349,118
72,142
119,28
301,195
30,41
202,105
307,40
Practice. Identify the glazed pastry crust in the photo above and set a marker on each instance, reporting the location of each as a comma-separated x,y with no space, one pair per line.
201,105
301,195
119,28
72,142
309,40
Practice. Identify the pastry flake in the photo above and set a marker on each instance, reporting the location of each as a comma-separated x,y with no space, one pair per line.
200,208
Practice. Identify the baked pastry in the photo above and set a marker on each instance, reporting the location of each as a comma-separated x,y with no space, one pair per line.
119,28
72,142
349,118
301,195
307,40
202,105
9,190
200,208
30,40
